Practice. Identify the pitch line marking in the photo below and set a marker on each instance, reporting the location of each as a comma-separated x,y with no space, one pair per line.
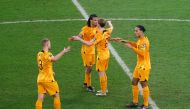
113,19
37,21
115,54
150,19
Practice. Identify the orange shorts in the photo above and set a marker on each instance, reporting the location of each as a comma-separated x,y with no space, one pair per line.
88,59
48,87
102,65
141,73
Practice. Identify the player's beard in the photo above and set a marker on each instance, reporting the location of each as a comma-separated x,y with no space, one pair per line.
94,24
137,36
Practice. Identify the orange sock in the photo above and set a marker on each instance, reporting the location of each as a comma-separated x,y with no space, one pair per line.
85,78
146,95
103,83
106,81
39,104
57,104
88,76
135,91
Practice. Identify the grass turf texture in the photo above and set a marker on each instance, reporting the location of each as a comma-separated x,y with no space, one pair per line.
20,42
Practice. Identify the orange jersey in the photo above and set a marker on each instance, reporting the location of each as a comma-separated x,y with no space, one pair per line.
46,73
101,42
141,47
88,34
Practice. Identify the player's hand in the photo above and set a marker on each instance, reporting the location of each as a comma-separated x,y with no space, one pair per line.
71,39
76,38
128,45
109,21
67,49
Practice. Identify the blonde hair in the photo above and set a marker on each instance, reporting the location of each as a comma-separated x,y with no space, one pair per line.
45,40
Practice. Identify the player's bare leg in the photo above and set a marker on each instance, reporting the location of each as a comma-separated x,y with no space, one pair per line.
145,87
57,103
103,84
135,91
39,101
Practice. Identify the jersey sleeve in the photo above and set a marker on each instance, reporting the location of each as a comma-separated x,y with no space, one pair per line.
83,30
109,30
143,48
134,44
40,56
107,33
97,38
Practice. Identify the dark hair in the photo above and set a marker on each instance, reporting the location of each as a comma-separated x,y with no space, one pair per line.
102,22
142,28
90,18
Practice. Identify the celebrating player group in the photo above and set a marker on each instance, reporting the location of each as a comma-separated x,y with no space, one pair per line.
94,37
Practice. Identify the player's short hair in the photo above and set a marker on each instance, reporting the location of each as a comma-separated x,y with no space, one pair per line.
102,22
90,18
141,27
44,41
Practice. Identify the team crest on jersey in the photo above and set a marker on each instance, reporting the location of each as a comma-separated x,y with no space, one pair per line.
142,46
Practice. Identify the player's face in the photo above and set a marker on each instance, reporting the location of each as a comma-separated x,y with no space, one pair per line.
137,32
49,45
94,21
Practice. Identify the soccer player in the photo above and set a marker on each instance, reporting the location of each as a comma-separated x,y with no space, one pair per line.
45,81
103,54
88,52
142,69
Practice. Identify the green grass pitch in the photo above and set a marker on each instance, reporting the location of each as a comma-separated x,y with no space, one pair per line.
19,44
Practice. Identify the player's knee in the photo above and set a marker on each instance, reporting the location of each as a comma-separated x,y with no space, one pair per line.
56,95
144,84
89,69
101,74
41,96
134,82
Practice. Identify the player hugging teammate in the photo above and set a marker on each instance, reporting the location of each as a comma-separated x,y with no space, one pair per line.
100,39
95,34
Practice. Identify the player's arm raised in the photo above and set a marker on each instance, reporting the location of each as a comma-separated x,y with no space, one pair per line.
117,39
59,55
110,25
109,30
